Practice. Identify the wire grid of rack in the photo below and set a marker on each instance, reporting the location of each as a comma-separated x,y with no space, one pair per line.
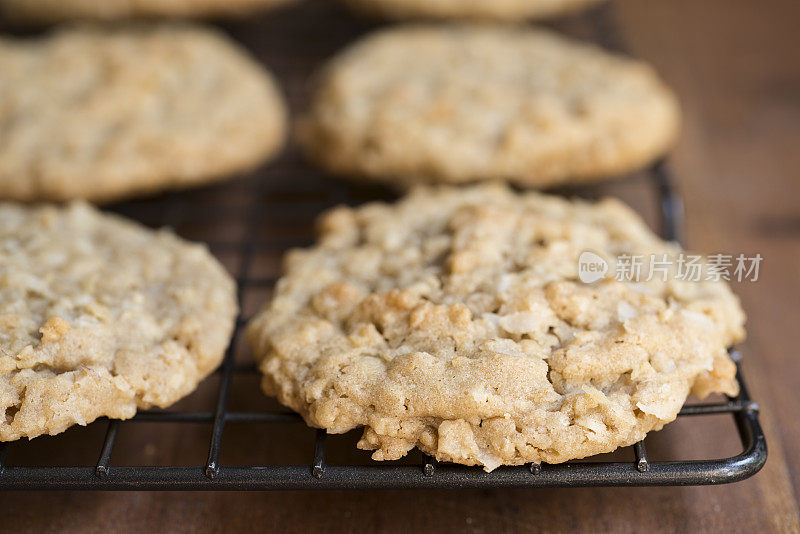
178,209
288,194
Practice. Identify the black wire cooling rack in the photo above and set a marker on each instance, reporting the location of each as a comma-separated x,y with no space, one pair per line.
294,200
285,199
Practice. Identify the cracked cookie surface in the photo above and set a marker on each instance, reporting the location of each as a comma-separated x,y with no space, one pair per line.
48,11
103,114
99,317
453,103
454,321
505,10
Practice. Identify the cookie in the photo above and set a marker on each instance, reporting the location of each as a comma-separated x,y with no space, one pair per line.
104,114
466,103
99,317
502,10
49,11
455,321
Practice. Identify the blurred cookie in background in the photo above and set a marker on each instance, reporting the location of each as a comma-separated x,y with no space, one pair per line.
461,103
49,11
507,10
104,114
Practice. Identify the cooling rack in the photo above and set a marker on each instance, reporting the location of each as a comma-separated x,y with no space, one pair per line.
250,222
290,201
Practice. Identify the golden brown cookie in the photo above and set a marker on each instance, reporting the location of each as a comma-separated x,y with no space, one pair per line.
104,114
505,10
100,316
48,11
465,103
455,321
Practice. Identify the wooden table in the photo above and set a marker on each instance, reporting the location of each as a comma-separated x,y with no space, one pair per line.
736,67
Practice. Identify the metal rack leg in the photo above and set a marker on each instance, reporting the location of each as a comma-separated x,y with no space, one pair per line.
429,466
641,457
220,414
320,445
103,464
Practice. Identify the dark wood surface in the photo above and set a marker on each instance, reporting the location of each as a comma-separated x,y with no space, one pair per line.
736,66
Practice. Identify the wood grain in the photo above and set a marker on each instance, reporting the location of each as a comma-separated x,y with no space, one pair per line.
736,67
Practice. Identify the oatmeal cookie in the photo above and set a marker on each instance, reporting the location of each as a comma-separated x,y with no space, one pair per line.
463,103
103,114
49,11
455,321
99,317
501,10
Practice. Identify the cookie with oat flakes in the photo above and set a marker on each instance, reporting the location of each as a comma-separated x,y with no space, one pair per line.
99,317
463,103
108,113
455,321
